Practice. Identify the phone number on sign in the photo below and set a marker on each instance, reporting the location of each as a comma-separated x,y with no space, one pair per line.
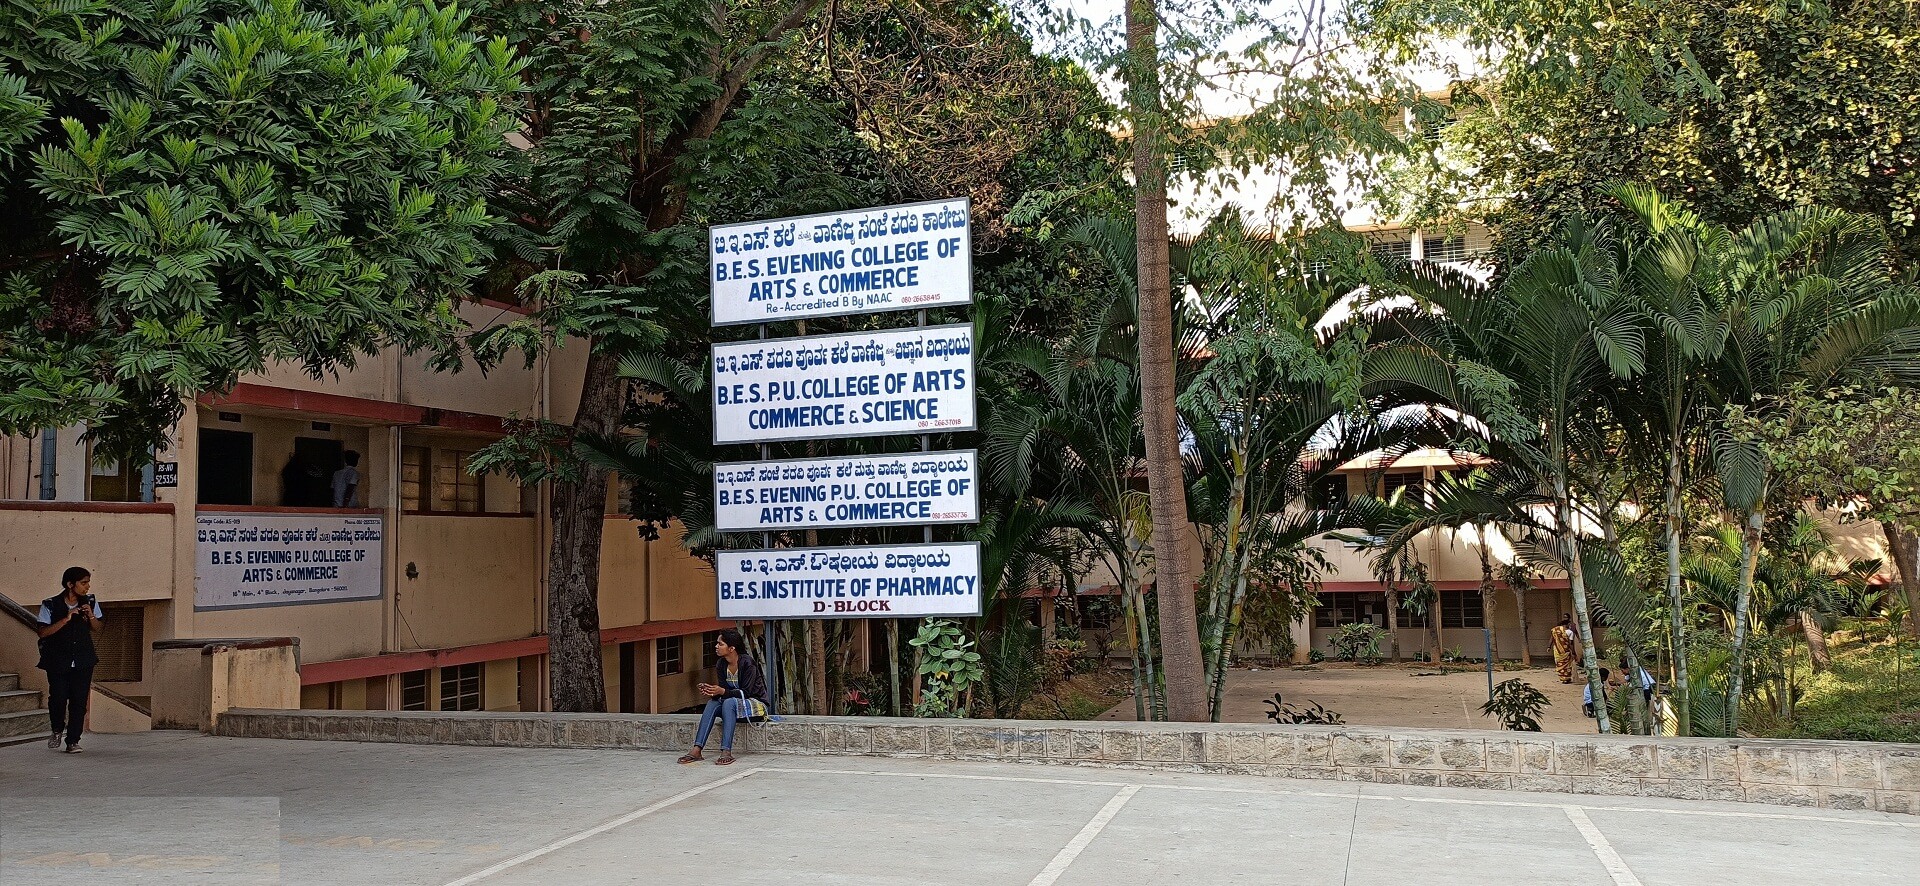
939,423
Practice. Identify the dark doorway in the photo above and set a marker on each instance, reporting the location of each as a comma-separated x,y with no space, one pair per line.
226,467
307,480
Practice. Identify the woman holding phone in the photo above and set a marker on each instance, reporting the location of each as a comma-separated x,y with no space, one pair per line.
741,694
67,622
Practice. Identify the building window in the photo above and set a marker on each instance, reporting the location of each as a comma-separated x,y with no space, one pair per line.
1395,249
120,644
1412,482
1444,249
666,656
1330,492
454,488
708,658
460,687
1461,609
414,463
413,691
226,467
438,481
1407,618
1343,608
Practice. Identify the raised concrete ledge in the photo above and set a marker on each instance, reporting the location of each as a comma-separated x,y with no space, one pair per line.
1824,774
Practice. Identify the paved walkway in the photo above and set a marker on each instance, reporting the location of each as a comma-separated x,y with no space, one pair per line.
172,807
1416,696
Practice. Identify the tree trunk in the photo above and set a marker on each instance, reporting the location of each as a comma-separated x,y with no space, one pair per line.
817,633
817,667
1393,621
1743,597
1487,604
1526,636
1816,641
579,511
1577,580
1905,547
1682,680
1180,662
893,665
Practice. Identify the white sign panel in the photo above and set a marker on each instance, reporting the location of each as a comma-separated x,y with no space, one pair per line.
876,581
867,384
913,488
245,559
891,258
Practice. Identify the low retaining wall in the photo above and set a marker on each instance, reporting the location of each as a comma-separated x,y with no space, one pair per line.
1828,774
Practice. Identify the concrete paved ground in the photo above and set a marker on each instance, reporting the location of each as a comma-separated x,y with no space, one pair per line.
1415,696
170,807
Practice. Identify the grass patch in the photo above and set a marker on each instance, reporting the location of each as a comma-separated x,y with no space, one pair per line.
1872,693
1083,697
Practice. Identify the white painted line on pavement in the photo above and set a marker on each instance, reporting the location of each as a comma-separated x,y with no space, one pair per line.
598,829
1609,859
1072,850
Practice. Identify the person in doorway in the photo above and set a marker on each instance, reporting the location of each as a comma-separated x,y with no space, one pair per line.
67,622
346,480
1565,642
741,694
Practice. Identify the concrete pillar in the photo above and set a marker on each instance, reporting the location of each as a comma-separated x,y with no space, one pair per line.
1047,627
1302,639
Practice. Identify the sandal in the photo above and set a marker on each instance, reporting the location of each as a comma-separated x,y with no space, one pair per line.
726,759
690,758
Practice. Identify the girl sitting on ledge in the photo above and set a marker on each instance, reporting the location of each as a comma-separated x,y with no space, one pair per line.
741,695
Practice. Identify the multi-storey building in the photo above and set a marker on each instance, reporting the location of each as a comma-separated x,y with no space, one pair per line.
453,615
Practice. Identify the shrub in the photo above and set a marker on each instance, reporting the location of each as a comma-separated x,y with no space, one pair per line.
1517,704
1358,642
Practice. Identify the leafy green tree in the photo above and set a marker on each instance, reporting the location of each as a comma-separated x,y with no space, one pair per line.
1742,107
1311,104
1855,452
194,190
1563,333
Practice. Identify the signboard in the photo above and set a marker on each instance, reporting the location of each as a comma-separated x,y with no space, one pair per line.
913,488
166,474
871,581
890,258
865,384
243,560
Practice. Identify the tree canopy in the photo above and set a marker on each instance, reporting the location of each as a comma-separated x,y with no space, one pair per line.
192,190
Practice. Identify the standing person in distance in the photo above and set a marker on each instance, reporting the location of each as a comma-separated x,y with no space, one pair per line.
741,694
346,480
67,622
1565,641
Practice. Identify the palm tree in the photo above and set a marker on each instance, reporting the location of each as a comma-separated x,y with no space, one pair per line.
1174,560
1813,306
1561,334
1691,319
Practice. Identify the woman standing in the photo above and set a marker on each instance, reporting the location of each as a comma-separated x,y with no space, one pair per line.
741,694
1565,641
67,622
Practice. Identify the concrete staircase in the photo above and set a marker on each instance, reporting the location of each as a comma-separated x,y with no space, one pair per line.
21,716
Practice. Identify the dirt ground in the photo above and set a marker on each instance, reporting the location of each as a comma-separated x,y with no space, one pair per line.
1388,695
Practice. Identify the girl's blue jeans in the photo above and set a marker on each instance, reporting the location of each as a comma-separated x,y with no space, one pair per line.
729,710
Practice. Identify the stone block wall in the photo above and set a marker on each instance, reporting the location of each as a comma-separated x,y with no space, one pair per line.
1825,774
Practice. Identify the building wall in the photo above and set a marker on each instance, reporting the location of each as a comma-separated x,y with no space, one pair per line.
129,553
476,579
476,591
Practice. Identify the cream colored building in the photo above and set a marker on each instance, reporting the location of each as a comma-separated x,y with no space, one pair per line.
453,617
